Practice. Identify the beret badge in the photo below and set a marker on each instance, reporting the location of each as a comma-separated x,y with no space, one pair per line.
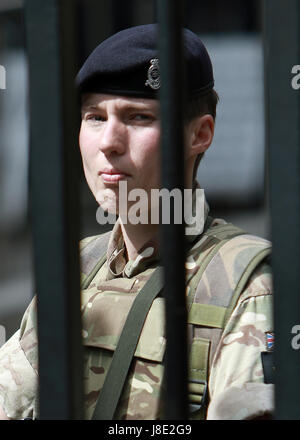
153,75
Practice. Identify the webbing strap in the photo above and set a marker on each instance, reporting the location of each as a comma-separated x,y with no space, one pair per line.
203,263
225,231
207,315
87,281
117,373
94,250
259,257
197,386
198,361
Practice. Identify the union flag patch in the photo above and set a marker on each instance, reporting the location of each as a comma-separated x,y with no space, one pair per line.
269,341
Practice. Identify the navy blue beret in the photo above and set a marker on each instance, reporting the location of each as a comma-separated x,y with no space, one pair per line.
127,64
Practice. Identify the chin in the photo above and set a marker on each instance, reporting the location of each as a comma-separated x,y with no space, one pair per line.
108,200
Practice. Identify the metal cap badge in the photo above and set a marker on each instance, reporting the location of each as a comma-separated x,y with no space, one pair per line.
153,75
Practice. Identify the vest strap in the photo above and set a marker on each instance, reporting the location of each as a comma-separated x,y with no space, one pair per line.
252,265
197,385
207,315
87,281
215,237
123,355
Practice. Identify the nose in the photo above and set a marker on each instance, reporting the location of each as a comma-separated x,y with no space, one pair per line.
113,137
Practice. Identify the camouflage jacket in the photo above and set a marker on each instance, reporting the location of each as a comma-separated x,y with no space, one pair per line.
235,381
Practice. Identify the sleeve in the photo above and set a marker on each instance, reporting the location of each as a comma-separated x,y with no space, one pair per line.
237,388
18,370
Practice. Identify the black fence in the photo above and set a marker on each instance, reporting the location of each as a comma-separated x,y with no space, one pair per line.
55,212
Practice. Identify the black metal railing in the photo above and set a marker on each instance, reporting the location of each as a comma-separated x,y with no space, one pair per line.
172,106
51,51
282,52
54,205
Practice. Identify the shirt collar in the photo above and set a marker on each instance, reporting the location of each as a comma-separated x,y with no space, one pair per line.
118,264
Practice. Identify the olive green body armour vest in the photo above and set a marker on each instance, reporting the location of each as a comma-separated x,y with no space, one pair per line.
226,257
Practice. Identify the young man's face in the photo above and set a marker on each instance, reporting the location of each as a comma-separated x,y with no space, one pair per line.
119,141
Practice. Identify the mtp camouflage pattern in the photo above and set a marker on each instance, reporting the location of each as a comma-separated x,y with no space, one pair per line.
236,382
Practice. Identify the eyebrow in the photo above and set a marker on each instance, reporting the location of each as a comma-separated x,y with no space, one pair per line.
126,106
89,107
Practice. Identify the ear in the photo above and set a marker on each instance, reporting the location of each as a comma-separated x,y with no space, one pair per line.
200,133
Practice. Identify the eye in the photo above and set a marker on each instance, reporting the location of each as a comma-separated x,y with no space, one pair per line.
142,117
94,118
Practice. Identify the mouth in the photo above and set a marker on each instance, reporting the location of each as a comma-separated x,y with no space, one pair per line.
112,175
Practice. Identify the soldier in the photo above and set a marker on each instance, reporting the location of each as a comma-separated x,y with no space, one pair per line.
229,286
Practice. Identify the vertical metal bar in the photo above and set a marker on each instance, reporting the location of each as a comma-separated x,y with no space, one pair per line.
54,205
282,52
122,14
173,239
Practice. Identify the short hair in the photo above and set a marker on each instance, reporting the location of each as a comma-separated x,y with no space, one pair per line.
200,106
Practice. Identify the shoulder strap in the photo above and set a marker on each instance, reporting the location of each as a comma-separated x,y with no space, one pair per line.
210,243
224,273
217,308
259,257
92,257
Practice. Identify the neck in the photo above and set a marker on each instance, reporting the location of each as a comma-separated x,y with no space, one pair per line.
135,236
